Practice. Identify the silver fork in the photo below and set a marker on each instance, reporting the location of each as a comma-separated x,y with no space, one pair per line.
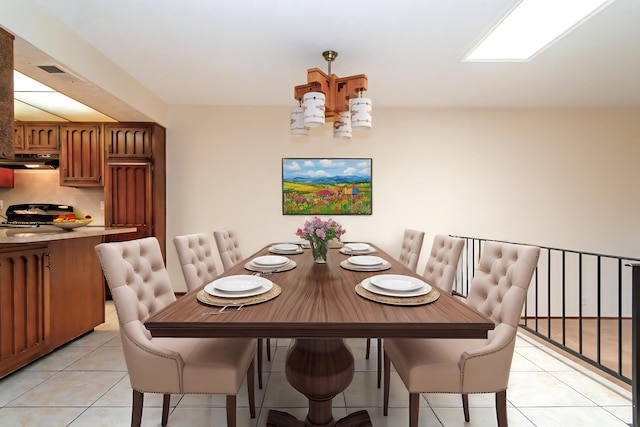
221,311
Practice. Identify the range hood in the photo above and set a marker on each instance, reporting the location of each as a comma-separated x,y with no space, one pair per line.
31,161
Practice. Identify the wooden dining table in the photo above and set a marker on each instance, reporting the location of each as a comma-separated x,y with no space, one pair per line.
318,308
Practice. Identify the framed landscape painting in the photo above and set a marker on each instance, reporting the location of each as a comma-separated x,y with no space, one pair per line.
326,186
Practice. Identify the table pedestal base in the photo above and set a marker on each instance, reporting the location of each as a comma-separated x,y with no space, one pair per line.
282,419
320,369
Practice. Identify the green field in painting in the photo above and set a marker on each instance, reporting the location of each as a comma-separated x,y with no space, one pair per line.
303,199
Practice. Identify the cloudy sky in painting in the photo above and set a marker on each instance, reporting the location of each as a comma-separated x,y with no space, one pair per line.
325,167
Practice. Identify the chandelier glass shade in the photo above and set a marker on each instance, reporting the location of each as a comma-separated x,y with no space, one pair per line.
327,97
342,126
297,122
314,104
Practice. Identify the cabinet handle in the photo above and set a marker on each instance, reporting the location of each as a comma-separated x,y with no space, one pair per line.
48,260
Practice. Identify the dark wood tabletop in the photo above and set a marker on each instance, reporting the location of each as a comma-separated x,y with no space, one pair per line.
319,301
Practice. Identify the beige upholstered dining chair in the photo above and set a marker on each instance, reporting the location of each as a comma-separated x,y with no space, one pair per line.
440,271
228,248
409,255
140,286
195,252
443,261
411,248
498,290
230,255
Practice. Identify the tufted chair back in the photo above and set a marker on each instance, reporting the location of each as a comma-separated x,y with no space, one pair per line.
228,248
411,247
140,286
443,262
498,290
195,252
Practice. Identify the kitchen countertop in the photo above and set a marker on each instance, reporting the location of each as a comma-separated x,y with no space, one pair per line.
46,233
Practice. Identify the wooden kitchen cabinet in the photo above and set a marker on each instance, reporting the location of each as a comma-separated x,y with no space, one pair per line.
130,203
135,183
129,141
18,137
40,138
77,291
24,305
81,162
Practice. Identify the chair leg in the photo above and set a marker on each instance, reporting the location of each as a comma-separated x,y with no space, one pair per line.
251,389
414,409
387,378
268,349
231,410
379,361
465,406
368,350
501,408
166,399
136,413
259,353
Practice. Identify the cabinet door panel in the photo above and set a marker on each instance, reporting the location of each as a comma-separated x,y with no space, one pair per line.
18,137
128,197
77,292
43,138
24,307
81,156
128,142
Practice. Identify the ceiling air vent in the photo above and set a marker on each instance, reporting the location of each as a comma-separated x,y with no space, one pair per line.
51,69
60,72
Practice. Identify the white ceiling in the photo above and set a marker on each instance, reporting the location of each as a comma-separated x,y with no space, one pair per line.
243,52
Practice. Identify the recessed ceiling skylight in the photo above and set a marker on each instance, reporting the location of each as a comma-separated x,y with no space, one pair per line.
531,26
31,96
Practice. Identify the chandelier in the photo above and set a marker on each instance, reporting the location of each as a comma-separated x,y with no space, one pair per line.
327,97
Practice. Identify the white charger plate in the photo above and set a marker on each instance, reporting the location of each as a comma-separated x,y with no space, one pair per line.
287,247
397,282
270,261
265,285
365,260
358,247
366,283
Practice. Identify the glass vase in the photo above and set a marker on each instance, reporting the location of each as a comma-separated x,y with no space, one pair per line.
319,248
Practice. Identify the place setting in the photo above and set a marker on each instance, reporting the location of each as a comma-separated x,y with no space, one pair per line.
357,249
397,289
268,264
238,290
365,263
286,249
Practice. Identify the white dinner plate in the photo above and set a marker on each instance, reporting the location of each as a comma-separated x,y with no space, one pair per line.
265,286
287,247
366,283
239,283
270,261
397,282
358,247
365,260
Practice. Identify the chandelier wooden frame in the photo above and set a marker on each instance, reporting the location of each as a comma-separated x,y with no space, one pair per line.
337,90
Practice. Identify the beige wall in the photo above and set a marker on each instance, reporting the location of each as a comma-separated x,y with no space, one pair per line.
561,178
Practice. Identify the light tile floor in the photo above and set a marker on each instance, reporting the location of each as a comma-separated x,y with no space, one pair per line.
85,383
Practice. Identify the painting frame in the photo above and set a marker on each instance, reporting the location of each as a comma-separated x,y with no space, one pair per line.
327,186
